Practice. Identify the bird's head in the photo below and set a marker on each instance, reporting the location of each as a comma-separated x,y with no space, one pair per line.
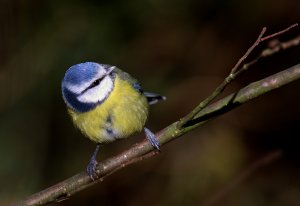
86,85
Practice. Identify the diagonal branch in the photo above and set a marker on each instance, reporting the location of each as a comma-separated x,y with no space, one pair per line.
142,150
234,73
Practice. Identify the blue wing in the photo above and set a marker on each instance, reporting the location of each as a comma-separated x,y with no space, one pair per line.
138,87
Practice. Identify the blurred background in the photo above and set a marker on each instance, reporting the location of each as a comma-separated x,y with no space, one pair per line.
180,48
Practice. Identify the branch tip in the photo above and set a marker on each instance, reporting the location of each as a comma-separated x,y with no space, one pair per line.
279,32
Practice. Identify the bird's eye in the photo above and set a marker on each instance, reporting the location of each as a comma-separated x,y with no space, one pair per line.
95,83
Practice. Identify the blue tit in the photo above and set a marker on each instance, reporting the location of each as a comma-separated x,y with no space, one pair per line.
106,104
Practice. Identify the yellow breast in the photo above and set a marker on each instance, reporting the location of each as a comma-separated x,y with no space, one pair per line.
123,113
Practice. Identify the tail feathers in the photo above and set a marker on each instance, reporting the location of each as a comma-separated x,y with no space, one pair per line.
154,98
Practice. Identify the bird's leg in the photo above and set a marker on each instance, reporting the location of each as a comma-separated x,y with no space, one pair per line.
152,138
91,167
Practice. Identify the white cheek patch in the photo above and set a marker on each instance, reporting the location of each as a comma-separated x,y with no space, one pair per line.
77,89
98,93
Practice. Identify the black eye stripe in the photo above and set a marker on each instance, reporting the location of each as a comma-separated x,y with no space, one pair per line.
94,84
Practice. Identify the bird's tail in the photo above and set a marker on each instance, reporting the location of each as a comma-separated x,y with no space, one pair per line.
154,98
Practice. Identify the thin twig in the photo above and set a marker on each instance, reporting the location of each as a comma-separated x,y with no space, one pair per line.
235,71
255,44
272,49
258,164
279,33
275,47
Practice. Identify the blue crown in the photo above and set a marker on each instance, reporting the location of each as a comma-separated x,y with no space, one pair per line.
80,73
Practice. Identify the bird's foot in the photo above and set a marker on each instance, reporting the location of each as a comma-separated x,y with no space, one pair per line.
152,138
91,167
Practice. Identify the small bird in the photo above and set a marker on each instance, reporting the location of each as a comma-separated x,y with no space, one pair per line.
106,104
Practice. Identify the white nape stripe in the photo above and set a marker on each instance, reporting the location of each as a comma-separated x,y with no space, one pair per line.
98,93
79,88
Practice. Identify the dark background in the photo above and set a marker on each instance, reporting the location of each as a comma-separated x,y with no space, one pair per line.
180,48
